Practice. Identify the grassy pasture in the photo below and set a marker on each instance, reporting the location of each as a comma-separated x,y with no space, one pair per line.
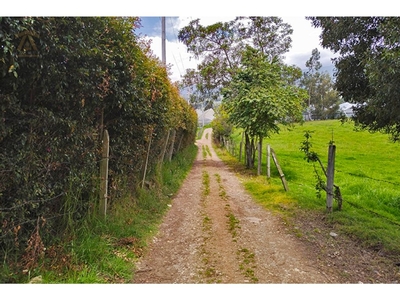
366,170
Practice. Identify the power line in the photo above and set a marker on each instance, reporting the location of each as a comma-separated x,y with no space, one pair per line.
179,52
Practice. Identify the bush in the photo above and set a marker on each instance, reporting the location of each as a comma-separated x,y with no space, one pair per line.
87,75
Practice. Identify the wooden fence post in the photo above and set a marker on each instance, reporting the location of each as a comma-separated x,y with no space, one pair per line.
147,158
104,173
165,146
171,149
285,186
268,161
180,142
330,177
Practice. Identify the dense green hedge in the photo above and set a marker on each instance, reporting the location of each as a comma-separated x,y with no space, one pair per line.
87,75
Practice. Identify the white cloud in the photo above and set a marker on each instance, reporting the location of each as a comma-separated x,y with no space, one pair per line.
206,8
304,39
176,55
176,52
204,20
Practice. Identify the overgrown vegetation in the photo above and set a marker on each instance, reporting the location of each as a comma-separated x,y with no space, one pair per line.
367,67
63,82
105,251
366,168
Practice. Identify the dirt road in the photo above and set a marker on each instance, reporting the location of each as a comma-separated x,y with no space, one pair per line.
215,233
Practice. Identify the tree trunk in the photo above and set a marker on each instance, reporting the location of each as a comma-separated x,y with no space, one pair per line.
259,155
248,151
104,174
241,147
253,152
180,140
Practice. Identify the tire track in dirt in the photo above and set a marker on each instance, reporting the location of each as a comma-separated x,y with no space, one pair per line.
219,249
223,235
279,257
172,255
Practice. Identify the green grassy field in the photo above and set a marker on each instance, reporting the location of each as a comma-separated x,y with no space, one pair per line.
366,170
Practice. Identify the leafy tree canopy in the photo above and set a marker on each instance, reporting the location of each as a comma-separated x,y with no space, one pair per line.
220,47
368,70
260,97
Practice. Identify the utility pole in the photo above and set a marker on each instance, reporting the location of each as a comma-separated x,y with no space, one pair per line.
164,60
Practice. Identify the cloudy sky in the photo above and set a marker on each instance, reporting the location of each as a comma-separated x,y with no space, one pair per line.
305,38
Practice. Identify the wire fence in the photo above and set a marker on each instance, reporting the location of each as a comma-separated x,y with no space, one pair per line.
230,146
368,177
30,202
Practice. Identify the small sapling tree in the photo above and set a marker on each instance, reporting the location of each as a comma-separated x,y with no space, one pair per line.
313,157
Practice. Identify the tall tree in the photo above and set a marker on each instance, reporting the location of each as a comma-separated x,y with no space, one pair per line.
327,99
270,35
310,77
220,45
323,101
313,64
259,97
368,70
201,94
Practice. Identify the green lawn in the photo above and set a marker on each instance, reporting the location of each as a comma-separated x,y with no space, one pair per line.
367,172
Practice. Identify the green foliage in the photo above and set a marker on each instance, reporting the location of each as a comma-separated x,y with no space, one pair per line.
367,68
221,126
105,250
90,74
259,97
220,47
